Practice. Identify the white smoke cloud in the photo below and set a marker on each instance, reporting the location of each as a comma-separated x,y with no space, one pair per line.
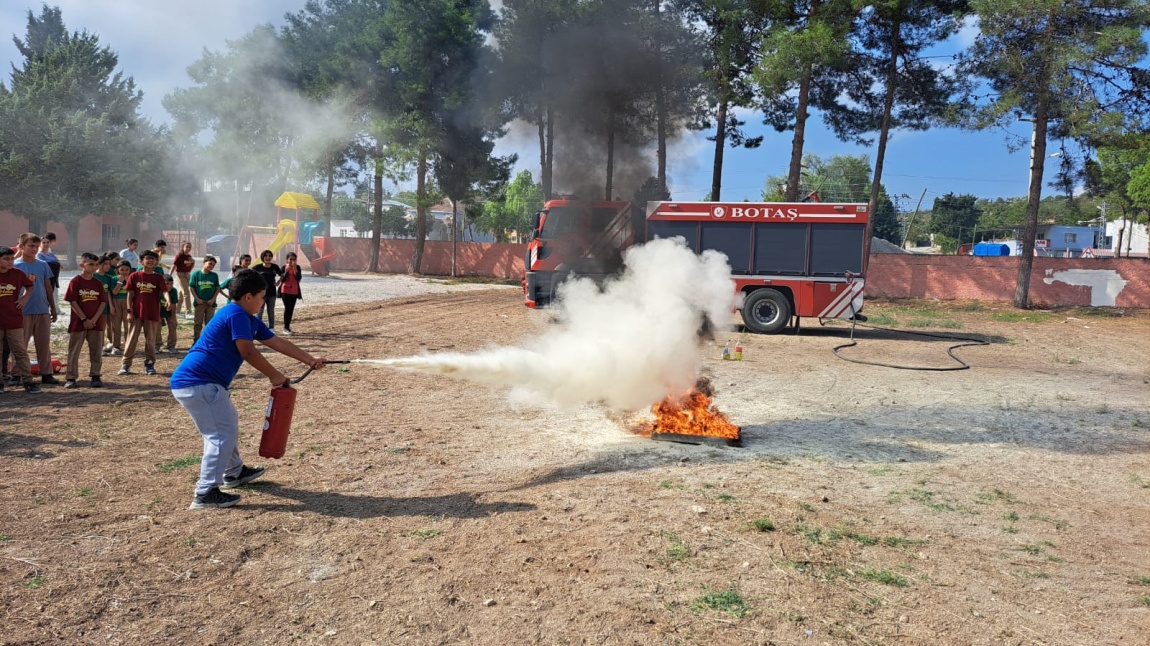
626,346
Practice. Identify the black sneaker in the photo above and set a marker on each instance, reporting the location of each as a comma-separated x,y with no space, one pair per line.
71,383
31,387
125,371
214,498
149,368
247,474
49,380
97,383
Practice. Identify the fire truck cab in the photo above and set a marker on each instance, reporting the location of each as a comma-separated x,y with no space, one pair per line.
788,260
577,237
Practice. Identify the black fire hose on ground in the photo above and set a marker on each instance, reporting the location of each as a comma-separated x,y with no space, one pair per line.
965,342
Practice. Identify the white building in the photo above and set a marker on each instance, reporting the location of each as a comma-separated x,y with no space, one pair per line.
1134,239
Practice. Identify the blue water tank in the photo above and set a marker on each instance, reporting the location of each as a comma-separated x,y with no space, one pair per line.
991,249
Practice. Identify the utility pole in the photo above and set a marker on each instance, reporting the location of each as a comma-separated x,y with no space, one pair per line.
906,233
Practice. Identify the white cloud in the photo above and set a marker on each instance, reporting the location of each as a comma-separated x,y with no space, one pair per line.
156,41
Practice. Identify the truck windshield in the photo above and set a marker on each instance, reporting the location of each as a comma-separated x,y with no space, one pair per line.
561,221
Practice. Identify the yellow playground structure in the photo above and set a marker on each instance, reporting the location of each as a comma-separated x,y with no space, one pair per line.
291,234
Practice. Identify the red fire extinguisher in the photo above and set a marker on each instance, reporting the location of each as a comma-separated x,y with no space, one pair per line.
277,419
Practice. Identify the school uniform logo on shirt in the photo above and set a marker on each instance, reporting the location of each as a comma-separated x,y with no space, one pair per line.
145,288
7,290
91,295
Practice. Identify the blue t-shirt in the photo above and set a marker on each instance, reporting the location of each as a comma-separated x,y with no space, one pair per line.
130,256
215,359
38,304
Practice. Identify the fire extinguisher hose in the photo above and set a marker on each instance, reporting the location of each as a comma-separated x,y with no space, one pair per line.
311,368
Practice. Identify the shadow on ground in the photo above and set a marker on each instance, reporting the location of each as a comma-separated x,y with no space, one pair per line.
892,435
326,503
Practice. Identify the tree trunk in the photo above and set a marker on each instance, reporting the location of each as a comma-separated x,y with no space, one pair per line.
794,172
542,150
377,207
883,136
420,212
36,225
660,107
454,228
720,147
328,196
548,172
610,153
72,227
1034,195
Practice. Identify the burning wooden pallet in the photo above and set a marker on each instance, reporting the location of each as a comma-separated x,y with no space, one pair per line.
691,419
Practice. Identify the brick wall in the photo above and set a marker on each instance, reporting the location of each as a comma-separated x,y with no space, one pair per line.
1116,282
499,260
90,233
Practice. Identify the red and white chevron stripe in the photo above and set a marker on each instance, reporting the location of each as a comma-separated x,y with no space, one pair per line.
847,303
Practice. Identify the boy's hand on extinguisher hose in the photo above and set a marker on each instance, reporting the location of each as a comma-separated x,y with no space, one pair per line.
318,362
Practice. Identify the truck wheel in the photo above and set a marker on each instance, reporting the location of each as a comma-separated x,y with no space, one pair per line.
766,311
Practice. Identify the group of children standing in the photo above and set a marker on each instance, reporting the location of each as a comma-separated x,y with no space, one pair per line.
116,299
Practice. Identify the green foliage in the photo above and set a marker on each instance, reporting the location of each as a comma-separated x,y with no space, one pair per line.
841,178
677,549
763,524
508,211
954,216
887,64
730,40
1072,69
71,136
238,96
178,463
885,577
885,221
804,55
649,192
728,601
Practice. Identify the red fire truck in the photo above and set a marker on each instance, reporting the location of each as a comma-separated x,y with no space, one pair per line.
794,259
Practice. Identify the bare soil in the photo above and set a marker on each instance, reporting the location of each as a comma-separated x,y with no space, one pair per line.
1005,504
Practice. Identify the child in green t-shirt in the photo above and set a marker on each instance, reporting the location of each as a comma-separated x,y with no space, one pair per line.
109,279
168,310
118,316
204,287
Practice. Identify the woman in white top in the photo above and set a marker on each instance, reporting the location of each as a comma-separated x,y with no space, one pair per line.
129,253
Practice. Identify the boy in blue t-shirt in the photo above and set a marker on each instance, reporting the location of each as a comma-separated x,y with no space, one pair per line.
200,384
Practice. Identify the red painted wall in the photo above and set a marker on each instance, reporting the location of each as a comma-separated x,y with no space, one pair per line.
994,279
889,276
499,260
90,234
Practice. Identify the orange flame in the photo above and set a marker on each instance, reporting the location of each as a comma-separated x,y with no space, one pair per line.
691,414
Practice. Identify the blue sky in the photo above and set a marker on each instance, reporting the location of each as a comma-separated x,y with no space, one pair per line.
157,40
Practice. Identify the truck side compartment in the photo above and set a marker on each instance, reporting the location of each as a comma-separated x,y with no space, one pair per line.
788,260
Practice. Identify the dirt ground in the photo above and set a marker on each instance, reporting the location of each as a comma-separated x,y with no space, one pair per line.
1005,504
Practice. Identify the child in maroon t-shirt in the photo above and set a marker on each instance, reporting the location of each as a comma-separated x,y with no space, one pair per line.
87,297
12,281
182,267
145,293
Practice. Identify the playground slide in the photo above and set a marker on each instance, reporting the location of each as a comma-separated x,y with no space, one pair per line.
321,262
310,246
285,234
